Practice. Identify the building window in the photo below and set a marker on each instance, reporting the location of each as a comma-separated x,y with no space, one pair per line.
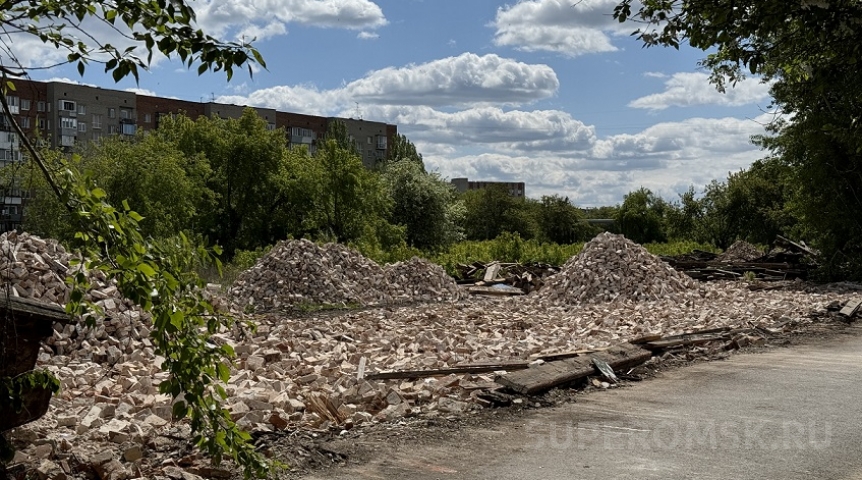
125,114
97,121
370,140
25,104
270,126
40,106
24,122
112,112
148,118
82,109
67,106
68,123
10,210
128,128
112,129
67,141
97,136
42,124
82,127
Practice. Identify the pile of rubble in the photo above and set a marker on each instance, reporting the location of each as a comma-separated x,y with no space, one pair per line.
323,371
300,271
740,251
612,268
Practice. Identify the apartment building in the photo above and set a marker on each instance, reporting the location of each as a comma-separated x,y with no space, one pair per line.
64,115
515,189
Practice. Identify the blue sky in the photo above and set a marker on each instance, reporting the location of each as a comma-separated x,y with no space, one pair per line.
542,91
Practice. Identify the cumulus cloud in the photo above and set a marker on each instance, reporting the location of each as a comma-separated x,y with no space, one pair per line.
364,35
466,79
264,18
246,19
561,26
686,89
667,158
491,127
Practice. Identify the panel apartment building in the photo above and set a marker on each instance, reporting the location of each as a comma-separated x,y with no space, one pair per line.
64,115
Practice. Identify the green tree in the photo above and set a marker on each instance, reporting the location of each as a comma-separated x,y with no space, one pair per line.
246,160
561,222
336,130
421,202
810,51
402,150
154,278
641,216
150,27
344,200
492,211
684,217
169,190
752,204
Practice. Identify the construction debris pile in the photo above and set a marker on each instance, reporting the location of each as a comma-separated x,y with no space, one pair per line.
612,268
300,271
786,261
494,277
337,370
740,251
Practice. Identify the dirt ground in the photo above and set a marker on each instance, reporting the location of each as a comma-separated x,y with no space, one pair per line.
315,452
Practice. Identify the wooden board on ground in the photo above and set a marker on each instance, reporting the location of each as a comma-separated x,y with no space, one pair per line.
478,290
552,374
478,368
851,307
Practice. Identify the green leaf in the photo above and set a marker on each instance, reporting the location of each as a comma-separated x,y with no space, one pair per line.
177,319
146,270
179,410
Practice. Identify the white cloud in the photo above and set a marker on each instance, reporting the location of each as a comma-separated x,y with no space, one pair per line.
364,35
686,89
263,18
467,79
666,158
141,91
561,26
491,127
655,75
300,99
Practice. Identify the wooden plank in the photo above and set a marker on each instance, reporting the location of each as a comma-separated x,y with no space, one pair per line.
851,307
684,342
478,368
481,290
646,338
550,357
552,374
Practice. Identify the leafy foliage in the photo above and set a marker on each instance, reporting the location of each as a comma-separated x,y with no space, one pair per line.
421,204
161,281
640,217
561,222
492,211
147,27
810,51
403,150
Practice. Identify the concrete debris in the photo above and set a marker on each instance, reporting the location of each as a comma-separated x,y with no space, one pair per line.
612,268
300,371
740,251
302,272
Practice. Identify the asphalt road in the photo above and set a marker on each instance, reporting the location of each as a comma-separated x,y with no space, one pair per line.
789,413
